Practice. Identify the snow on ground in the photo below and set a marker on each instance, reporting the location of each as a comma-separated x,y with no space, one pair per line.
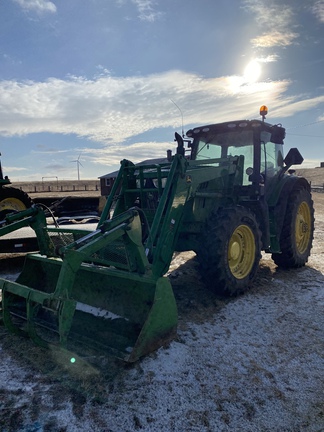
253,363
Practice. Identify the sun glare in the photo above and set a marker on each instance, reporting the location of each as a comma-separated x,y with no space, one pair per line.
252,71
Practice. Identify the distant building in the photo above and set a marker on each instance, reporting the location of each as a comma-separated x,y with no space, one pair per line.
107,181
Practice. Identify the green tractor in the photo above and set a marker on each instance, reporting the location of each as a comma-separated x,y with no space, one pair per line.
226,194
259,207
11,199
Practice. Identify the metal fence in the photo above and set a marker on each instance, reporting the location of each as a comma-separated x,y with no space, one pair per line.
58,186
317,188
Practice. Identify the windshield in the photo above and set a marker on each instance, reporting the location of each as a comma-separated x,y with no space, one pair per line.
221,145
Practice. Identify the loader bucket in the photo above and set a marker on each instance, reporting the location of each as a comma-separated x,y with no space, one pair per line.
126,314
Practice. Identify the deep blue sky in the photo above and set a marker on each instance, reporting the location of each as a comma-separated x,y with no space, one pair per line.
95,79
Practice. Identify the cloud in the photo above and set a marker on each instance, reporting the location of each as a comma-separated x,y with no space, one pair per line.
50,150
39,6
274,38
268,59
318,10
116,112
15,169
270,13
112,110
137,152
293,106
276,21
55,167
11,60
146,10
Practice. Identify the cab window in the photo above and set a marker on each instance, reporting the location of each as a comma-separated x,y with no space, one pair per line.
232,143
271,157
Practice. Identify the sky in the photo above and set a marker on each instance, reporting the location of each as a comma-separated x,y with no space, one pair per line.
87,83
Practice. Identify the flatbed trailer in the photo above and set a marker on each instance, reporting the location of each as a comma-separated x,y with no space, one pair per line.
22,240
25,240
70,209
70,205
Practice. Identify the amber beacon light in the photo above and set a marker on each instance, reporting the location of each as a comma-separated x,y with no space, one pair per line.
263,111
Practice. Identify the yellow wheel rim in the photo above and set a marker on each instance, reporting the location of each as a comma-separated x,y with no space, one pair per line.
302,227
241,252
13,204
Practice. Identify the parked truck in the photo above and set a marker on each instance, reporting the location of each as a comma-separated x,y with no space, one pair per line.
226,194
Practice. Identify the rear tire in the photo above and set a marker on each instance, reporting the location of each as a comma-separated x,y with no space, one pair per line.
13,200
298,231
230,252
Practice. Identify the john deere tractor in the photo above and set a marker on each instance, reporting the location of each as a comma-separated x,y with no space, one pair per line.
11,199
259,206
226,194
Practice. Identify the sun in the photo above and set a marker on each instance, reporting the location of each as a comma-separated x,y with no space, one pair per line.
252,71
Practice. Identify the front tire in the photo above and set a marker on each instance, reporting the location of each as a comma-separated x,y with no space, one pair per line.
298,231
230,252
13,200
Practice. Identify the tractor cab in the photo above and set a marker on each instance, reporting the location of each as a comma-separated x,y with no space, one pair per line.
260,143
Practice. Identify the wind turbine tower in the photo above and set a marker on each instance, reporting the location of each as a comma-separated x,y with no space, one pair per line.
78,165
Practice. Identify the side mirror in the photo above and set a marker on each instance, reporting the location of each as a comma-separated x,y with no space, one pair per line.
293,158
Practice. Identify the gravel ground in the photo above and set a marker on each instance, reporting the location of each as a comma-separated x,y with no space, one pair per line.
253,363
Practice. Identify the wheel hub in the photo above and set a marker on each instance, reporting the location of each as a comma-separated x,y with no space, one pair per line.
235,250
241,252
302,231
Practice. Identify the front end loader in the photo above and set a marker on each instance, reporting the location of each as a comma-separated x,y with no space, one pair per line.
227,196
